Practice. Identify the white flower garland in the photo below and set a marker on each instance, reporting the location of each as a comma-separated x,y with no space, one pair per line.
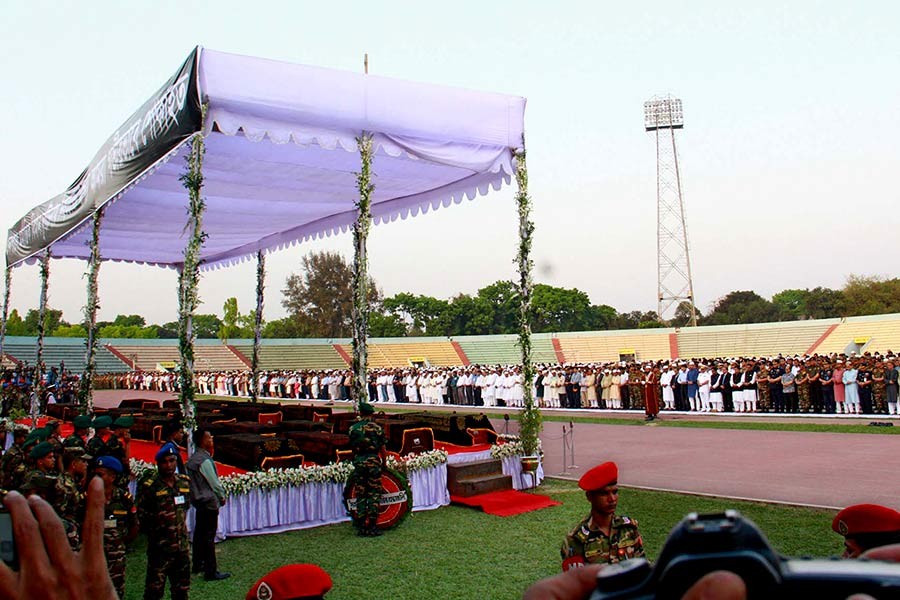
277,478
512,446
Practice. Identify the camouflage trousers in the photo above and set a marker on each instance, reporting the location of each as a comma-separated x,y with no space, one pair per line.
115,563
176,567
367,490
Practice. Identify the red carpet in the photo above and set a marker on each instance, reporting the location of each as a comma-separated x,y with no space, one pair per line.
506,503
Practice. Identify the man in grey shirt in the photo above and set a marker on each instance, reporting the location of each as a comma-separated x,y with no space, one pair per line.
207,496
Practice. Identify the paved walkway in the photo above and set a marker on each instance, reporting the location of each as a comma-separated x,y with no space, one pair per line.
819,469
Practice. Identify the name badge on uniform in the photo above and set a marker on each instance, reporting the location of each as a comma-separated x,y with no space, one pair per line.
179,500
108,523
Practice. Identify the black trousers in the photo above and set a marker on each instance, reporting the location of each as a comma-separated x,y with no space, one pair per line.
204,544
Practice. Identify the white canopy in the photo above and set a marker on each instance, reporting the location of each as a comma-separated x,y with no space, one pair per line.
280,164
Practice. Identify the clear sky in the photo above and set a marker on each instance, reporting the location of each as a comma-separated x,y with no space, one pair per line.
789,154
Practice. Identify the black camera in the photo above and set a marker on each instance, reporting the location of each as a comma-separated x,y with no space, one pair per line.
701,544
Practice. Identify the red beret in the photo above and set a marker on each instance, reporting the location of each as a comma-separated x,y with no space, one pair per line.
866,518
599,477
291,581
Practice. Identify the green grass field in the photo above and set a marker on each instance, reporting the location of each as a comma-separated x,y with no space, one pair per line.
460,553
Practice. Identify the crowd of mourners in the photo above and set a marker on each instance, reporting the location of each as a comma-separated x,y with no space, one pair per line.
842,384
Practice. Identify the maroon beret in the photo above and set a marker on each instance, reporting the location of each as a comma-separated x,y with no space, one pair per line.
291,581
866,518
599,477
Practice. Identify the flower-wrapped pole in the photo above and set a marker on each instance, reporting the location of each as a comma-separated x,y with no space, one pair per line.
530,417
7,282
257,326
85,391
38,386
189,277
360,311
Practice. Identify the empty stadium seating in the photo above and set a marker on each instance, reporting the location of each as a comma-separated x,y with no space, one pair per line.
757,339
504,349
294,354
602,346
209,355
57,350
385,352
883,332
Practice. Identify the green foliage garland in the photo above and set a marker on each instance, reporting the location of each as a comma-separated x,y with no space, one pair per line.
189,276
85,393
42,323
260,287
8,281
360,267
530,417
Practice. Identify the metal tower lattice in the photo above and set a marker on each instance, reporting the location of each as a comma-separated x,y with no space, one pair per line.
662,116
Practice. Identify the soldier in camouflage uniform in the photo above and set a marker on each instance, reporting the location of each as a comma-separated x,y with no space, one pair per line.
53,438
762,388
815,386
636,388
97,445
602,537
367,440
11,465
72,485
879,392
803,389
163,502
79,437
120,525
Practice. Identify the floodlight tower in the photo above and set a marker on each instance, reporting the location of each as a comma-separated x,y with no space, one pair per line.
662,115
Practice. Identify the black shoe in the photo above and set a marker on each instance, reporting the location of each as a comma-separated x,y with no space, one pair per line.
217,576
374,532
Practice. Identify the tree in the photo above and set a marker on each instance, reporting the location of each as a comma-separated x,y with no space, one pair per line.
206,326
824,303
127,331
384,324
559,309
230,316
682,316
53,319
128,320
791,304
420,313
601,316
320,299
501,301
871,295
282,329
76,330
741,307
14,324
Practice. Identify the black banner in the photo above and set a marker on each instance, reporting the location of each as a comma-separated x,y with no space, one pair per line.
160,125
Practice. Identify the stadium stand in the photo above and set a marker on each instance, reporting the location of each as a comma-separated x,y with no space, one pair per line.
602,346
504,349
294,354
56,350
757,339
209,355
877,333
387,352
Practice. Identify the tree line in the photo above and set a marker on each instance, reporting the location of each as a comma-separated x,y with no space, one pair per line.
318,301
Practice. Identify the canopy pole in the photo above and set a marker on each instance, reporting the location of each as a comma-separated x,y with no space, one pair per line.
85,390
188,279
8,280
38,386
360,312
257,326
530,418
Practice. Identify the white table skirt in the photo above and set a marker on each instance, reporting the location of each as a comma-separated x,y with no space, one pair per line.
289,508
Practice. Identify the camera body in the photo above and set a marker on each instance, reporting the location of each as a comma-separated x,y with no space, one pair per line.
701,544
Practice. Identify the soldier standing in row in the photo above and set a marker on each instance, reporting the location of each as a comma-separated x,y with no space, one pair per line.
163,502
368,442
97,445
71,485
14,459
120,525
79,437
